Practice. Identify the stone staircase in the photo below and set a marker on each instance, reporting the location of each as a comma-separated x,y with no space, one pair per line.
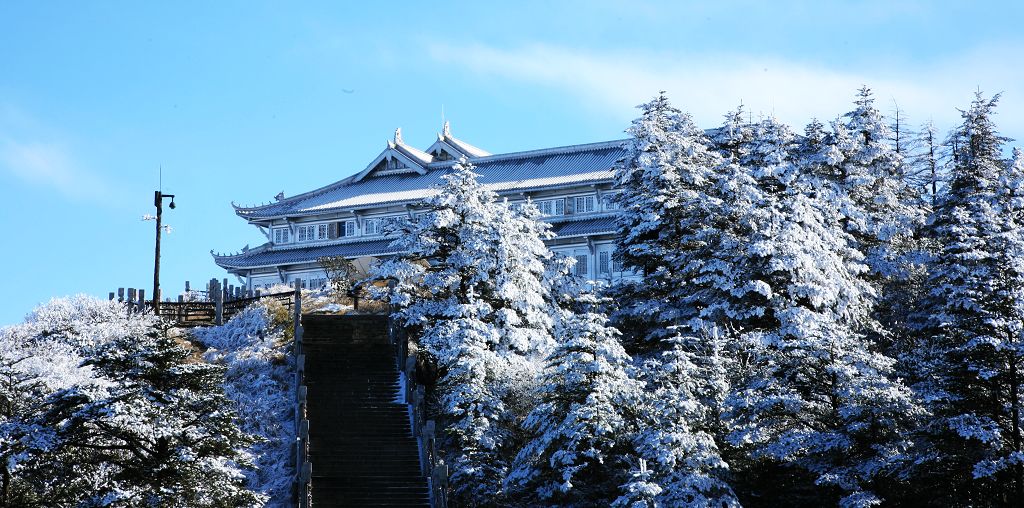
360,440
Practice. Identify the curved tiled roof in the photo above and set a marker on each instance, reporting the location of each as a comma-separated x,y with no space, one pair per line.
521,171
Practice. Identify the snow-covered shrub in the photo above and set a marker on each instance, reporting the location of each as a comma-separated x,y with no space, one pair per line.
259,379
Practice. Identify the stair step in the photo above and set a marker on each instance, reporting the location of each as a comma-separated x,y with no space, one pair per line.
361,443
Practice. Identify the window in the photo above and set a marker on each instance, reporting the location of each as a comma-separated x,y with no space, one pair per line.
584,204
581,265
281,235
371,227
602,263
609,201
390,224
347,228
551,206
311,232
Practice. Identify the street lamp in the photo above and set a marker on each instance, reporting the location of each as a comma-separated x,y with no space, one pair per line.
158,200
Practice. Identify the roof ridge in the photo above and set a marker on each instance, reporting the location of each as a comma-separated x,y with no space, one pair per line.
538,152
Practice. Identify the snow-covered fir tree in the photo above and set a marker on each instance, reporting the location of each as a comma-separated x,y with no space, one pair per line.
664,180
881,209
676,436
126,416
974,352
579,432
473,284
163,429
818,400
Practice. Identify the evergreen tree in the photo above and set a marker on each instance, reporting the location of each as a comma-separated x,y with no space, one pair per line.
579,431
676,437
157,430
973,323
880,211
818,417
473,283
664,180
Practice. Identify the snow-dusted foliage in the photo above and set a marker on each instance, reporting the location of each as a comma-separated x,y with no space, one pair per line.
122,415
665,177
259,379
675,439
588,401
819,396
879,209
972,359
473,284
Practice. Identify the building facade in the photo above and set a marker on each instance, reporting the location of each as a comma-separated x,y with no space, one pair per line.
571,185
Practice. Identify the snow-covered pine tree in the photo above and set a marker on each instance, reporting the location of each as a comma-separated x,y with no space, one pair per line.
20,395
818,416
579,432
881,212
473,283
676,435
157,428
974,354
664,179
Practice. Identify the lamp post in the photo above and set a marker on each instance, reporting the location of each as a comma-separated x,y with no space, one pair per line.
158,200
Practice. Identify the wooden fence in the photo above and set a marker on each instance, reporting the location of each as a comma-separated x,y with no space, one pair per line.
212,307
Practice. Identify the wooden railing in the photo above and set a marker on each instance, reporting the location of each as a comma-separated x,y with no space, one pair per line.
433,467
220,304
303,466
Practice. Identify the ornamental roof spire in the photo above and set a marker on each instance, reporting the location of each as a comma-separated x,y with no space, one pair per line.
398,136
446,130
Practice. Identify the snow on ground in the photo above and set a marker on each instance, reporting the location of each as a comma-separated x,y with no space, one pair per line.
259,378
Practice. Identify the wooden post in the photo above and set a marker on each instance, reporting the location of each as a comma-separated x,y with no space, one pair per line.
120,294
141,306
111,297
224,290
410,378
297,316
218,303
439,485
304,477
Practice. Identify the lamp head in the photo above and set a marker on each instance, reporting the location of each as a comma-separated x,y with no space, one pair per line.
171,206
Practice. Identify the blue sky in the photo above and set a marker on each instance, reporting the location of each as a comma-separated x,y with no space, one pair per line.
240,100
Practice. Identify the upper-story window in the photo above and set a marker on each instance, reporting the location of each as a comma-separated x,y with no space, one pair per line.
584,204
609,201
390,224
347,228
371,227
281,235
311,232
551,206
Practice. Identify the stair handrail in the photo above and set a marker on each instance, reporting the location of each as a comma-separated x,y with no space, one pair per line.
432,466
303,466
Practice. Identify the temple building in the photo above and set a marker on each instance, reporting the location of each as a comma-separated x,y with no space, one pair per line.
571,185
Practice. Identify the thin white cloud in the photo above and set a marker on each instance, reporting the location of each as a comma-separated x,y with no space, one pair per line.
709,85
49,164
